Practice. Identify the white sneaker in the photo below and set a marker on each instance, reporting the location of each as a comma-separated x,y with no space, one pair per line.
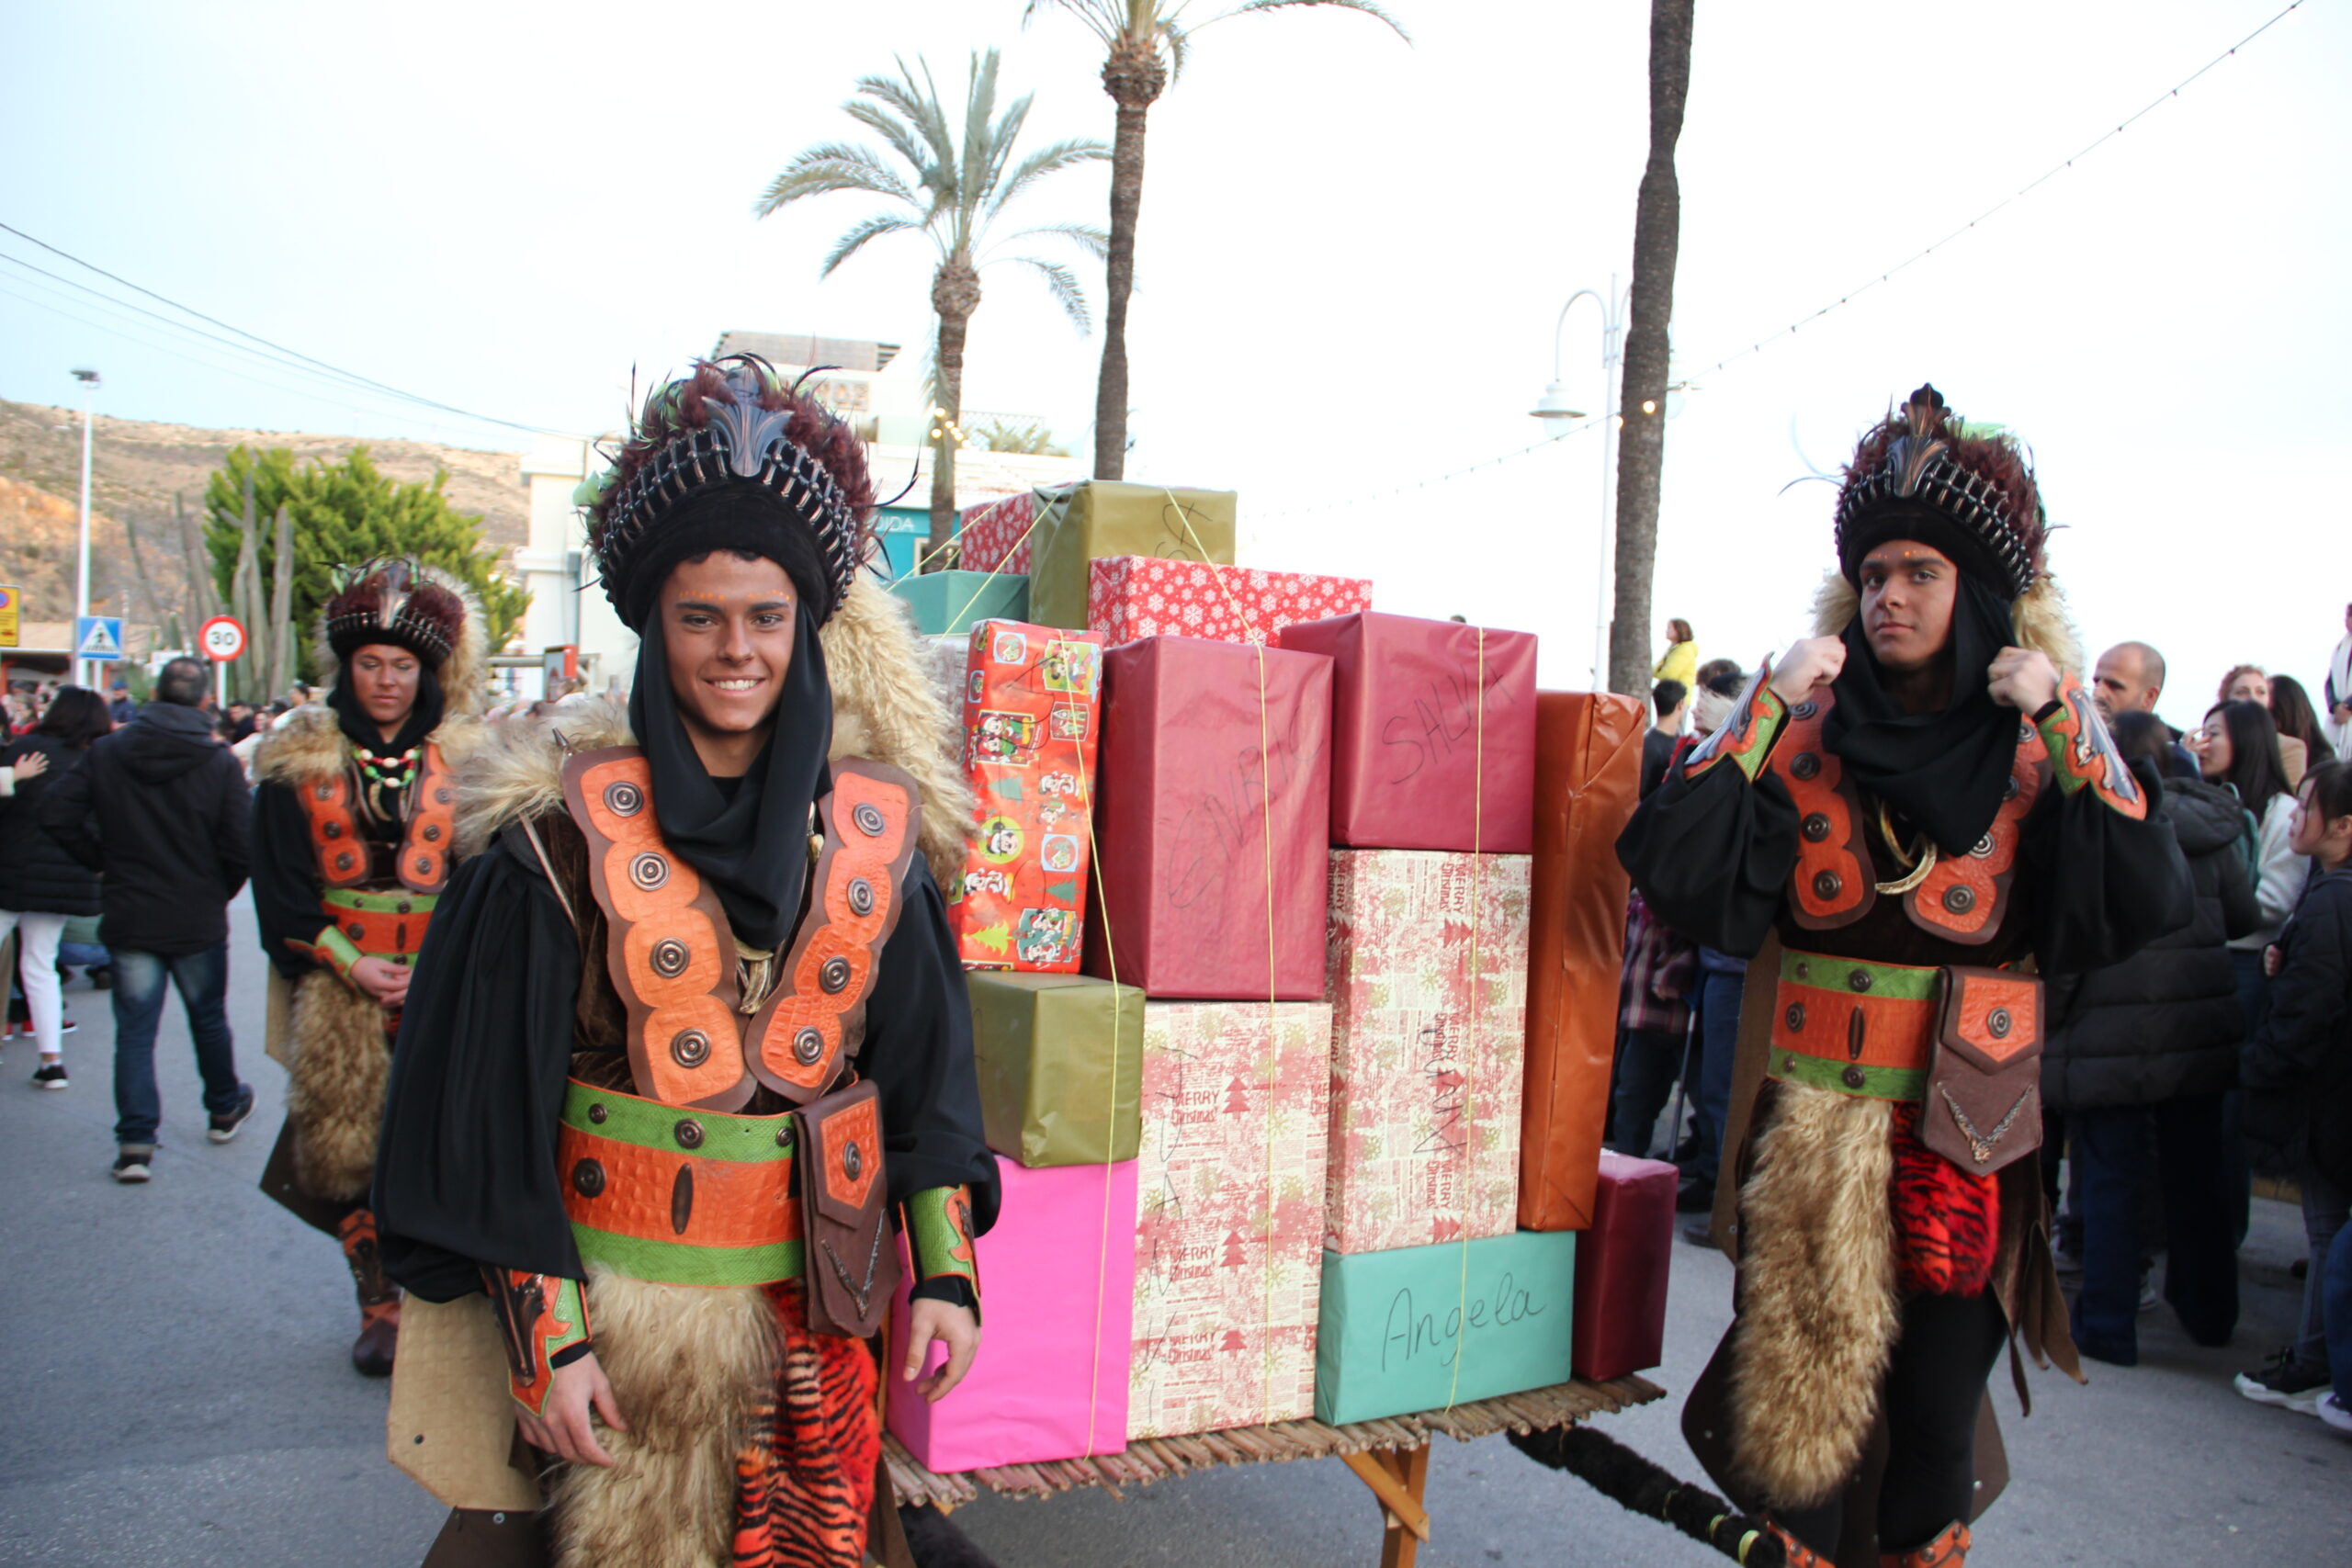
2333,1411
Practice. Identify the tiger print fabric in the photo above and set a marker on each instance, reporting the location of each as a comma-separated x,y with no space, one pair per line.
1947,1222
804,1479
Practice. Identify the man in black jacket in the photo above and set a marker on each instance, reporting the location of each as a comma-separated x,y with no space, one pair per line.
159,810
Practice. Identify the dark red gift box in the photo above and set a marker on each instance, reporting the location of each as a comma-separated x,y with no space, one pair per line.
1621,1269
1416,705
1190,772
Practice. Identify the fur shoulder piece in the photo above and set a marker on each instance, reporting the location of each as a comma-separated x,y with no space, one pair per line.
883,711
310,746
2043,623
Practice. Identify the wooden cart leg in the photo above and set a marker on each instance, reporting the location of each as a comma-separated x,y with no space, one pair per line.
1398,1479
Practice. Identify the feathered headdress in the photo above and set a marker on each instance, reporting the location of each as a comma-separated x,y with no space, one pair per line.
732,431
389,601
1923,473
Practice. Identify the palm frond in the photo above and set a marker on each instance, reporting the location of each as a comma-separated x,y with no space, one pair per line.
1062,284
1044,162
832,166
1367,6
1104,18
1095,242
872,228
917,102
903,138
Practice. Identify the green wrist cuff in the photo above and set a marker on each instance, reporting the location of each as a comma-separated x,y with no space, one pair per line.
938,1222
337,952
1747,737
545,1321
2082,754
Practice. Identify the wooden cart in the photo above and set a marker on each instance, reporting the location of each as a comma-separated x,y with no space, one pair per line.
1391,1457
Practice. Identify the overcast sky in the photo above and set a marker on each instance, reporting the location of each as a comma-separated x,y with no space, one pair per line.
1353,253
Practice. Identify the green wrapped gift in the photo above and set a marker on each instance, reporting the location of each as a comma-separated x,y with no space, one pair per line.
1060,1060
1393,1325
1100,518
948,602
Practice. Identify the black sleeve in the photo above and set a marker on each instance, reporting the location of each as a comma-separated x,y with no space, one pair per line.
2241,915
918,1051
231,823
66,809
1713,855
466,1167
286,880
2307,1000
2106,885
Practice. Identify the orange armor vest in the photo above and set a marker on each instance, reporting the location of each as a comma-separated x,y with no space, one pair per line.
423,865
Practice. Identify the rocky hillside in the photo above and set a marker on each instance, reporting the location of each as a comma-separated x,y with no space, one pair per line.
137,470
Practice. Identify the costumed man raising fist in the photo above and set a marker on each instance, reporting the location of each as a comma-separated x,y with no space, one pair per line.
353,827
703,945
1901,818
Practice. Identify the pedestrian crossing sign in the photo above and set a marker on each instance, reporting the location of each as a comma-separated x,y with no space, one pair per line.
98,637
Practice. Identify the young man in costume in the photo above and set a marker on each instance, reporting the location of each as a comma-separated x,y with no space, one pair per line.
691,1031
1912,805
354,822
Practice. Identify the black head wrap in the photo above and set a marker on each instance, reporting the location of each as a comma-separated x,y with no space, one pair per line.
1949,770
751,842
423,718
745,518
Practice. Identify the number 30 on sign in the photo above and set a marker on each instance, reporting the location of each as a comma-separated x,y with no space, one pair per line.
222,639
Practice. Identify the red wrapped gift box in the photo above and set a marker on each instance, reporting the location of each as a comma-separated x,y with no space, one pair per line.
1433,732
1193,775
1619,1319
1032,711
1138,596
995,536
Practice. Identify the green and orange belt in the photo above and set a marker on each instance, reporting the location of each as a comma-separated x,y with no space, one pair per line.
372,925
1853,1028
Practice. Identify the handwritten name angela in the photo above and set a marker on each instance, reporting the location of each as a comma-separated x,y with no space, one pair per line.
1411,1333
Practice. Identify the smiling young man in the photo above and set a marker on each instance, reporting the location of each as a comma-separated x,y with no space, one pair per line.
352,828
1901,813
690,1036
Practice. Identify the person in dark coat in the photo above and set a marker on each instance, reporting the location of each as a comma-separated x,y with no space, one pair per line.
41,886
160,810
2153,1041
2297,1069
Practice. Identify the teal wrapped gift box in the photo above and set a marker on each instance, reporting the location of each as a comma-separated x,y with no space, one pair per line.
949,601
1395,1325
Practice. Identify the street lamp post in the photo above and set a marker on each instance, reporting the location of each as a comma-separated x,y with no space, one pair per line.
89,379
1554,411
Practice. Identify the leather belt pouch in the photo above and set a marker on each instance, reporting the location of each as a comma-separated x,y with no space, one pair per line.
1983,1109
852,1263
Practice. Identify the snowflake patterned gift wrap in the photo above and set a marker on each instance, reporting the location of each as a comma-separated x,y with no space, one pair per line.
1427,981
1137,596
994,535
1230,1214
1031,716
1100,518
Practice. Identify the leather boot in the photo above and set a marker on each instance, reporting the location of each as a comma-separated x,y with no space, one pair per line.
379,1298
1948,1549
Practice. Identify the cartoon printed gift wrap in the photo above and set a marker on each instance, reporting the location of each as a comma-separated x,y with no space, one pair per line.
1032,723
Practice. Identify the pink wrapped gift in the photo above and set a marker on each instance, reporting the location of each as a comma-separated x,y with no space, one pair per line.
996,534
1057,1278
1137,596
1229,1226
1427,976
1433,732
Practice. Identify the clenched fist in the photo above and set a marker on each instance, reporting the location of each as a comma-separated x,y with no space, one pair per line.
1814,663
2025,682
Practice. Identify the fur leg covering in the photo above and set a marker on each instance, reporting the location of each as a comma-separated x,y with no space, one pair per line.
1819,1312
687,1366
335,1071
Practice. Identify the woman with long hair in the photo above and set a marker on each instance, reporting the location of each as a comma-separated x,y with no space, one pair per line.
2302,739
41,886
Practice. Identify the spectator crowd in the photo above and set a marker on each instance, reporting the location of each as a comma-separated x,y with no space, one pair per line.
2172,1083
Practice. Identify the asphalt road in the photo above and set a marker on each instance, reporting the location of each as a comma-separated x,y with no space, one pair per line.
173,1390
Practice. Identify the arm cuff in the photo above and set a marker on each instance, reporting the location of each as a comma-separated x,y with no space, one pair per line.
544,1320
1747,737
2082,755
938,1222
335,951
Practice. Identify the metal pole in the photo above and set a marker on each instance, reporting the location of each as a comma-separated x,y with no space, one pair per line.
82,583
1609,400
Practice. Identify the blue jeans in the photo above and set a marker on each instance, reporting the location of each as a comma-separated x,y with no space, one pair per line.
1717,1040
2111,1158
203,982
2338,1301
2325,1206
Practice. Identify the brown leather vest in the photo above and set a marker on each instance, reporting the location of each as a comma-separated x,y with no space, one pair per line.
1961,899
423,865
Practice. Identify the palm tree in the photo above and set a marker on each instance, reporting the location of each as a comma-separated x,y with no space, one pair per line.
1145,43
1641,452
952,185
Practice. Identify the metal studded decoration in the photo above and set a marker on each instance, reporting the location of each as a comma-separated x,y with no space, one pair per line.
1925,456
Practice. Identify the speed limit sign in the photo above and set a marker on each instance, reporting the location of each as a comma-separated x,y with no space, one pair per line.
222,639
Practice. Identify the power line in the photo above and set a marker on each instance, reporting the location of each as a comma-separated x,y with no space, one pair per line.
281,348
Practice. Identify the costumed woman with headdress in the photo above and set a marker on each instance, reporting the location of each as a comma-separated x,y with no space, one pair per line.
354,822
691,1033
1903,815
